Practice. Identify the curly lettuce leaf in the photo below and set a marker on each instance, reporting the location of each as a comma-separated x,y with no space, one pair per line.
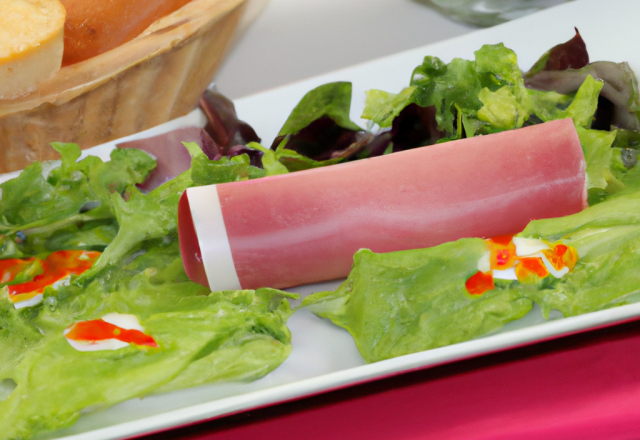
141,218
506,102
201,338
480,97
271,159
204,171
404,302
501,109
443,85
73,195
88,235
17,336
607,238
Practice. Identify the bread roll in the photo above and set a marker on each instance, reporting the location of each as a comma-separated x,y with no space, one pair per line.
96,26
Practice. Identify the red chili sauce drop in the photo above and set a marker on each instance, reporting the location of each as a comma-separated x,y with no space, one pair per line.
479,283
99,330
56,267
12,267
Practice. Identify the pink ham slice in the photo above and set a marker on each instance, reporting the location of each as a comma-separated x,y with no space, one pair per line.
304,227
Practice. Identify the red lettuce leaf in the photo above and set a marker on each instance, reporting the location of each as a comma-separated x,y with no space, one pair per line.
223,125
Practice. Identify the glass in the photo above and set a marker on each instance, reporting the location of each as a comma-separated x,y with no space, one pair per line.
491,12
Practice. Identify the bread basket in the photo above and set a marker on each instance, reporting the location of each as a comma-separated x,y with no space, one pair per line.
149,80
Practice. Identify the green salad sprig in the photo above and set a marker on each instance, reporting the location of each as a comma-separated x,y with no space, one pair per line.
202,336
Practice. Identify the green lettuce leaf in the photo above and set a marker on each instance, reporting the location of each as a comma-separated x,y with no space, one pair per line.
332,100
443,85
549,106
501,109
209,172
202,338
403,302
282,160
607,238
499,66
271,159
482,96
382,107
598,154
77,195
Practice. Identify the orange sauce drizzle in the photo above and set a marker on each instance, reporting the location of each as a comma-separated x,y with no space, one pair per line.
502,252
561,256
99,330
529,269
56,266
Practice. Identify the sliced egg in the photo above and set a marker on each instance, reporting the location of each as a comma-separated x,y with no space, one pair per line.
528,246
34,301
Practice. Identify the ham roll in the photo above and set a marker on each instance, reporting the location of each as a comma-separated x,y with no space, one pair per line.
304,227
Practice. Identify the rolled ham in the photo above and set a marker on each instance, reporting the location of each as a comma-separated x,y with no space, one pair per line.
304,227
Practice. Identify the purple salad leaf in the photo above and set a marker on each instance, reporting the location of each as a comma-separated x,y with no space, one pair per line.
620,87
319,127
255,156
223,124
569,55
320,139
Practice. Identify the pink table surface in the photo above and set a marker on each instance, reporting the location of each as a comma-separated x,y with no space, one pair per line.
585,386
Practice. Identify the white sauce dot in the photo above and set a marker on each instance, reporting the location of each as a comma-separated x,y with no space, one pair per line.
123,320
507,274
484,265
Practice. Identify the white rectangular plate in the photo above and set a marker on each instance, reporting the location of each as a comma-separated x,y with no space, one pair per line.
324,356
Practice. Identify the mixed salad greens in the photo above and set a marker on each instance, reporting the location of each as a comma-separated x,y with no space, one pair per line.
392,304
409,301
93,205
